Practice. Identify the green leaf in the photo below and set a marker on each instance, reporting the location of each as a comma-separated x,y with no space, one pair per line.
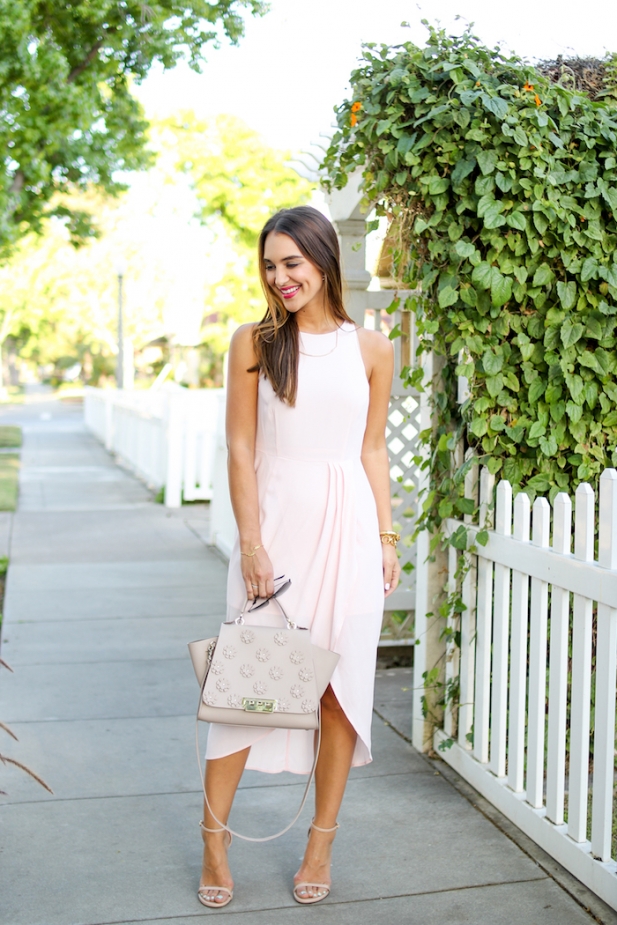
536,389
588,269
543,275
466,505
571,333
516,220
536,430
487,161
494,385
497,423
438,185
567,293
462,169
459,538
482,537
464,249
492,363
482,275
447,296
548,445
478,427
501,288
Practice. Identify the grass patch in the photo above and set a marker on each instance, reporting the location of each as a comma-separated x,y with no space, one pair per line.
9,477
10,436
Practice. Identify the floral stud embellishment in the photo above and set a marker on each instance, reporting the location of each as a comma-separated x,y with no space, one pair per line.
217,668
276,673
247,671
296,691
260,688
281,639
262,655
305,674
230,651
209,698
283,706
234,701
222,685
247,637
296,656
308,706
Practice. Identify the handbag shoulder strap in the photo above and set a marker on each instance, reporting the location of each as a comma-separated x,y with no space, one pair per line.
302,802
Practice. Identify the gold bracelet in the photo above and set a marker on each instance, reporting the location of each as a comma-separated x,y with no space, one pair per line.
389,537
250,555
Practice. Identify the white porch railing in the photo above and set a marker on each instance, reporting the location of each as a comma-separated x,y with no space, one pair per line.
525,749
166,437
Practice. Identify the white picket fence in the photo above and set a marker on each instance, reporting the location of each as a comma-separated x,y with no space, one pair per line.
167,437
525,749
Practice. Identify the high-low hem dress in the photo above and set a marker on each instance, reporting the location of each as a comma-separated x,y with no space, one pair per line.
319,527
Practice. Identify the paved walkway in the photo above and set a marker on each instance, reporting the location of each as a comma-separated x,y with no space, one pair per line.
105,588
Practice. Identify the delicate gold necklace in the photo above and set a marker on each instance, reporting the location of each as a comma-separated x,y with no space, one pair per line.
328,352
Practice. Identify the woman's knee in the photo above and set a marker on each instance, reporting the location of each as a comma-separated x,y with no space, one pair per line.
330,703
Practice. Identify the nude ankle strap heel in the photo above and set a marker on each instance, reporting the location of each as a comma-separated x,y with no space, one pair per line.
223,894
320,890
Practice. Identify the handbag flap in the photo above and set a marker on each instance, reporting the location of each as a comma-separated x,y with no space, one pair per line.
263,668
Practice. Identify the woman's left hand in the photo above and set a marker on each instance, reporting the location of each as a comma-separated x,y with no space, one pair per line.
391,569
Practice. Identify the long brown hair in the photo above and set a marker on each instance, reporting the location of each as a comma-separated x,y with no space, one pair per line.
275,337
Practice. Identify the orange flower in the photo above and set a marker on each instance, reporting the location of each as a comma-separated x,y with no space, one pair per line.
537,99
353,119
528,86
357,106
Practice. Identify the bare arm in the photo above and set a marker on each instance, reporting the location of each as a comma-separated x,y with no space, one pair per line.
241,429
378,357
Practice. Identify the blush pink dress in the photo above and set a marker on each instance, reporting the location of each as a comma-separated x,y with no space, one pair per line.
319,526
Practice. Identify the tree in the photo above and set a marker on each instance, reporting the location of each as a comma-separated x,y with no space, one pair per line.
68,119
502,187
60,303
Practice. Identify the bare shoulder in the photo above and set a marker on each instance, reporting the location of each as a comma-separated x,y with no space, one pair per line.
242,341
375,345
244,334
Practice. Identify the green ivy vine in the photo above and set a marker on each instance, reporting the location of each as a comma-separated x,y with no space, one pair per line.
501,188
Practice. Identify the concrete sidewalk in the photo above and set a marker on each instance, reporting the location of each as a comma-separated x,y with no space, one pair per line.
105,589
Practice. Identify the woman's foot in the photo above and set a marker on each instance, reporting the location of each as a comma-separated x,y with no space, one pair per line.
313,881
216,885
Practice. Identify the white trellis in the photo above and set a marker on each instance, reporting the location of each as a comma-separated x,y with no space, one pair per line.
524,741
407,406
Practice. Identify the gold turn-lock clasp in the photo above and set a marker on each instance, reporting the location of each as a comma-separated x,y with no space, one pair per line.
253,705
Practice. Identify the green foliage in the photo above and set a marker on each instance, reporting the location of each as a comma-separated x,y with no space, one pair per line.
502,190
236,176
68,117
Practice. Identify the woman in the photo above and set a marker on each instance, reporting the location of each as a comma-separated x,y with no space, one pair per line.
309,479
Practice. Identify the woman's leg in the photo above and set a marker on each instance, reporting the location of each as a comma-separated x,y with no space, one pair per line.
222,779
338,741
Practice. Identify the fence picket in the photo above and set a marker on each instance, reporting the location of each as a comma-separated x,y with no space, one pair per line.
484,621
468,628
606,671
580,696
518,658
538,621
452,650
501,626
558,672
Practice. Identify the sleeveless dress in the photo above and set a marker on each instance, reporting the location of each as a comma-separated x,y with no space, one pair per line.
319,526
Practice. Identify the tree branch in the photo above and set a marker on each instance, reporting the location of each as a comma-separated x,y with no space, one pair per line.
84,64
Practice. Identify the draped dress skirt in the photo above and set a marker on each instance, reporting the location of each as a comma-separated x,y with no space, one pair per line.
319,527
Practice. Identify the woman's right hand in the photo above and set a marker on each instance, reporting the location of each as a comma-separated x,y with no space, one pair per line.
258,575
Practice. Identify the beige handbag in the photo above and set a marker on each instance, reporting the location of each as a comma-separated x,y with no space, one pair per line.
267,676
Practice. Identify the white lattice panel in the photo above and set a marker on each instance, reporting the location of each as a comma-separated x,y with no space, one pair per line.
402,440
